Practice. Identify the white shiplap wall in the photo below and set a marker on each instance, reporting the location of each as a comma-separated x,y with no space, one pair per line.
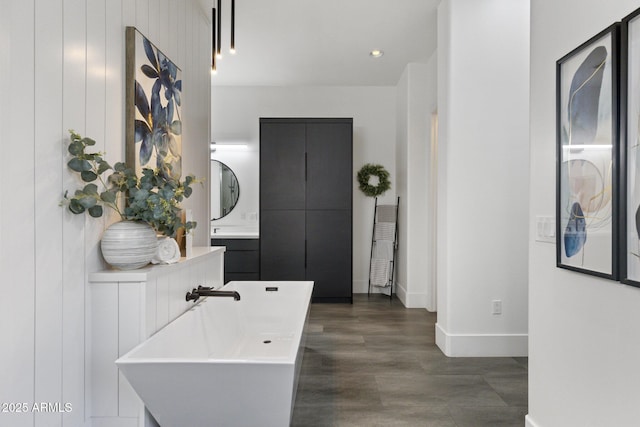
61,67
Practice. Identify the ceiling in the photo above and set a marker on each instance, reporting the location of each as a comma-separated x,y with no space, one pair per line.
316,43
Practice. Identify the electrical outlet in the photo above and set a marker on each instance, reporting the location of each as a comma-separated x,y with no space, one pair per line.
496,306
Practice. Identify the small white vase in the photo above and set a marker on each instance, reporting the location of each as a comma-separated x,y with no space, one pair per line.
128,245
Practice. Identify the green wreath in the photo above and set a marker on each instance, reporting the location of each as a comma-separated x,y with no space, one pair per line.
383,180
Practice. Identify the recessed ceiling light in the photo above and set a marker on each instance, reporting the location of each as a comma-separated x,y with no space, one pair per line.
376,53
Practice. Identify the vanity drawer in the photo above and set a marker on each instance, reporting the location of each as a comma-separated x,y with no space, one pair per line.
241,259
237,244
241,262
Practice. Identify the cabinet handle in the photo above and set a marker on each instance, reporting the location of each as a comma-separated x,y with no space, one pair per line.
305,253
305,166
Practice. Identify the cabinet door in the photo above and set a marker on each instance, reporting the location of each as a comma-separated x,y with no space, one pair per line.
241,262
282,165
282,252
329,165
329,253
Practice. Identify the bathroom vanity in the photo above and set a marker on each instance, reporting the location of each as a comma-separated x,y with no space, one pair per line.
126,308
242,255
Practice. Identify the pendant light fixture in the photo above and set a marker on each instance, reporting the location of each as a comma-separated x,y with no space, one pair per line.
232,48
218,53
216,33
213,41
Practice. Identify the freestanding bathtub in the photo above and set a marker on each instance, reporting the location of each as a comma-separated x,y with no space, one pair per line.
224,362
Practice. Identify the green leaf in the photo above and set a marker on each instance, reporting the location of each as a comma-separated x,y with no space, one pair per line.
141,195
74,135
90,189
167,193
146,184
88,176
108,196
187,191
154,198
119,167
76,148
95,211
131,182
88,141
158,212
79,165
88,202
103,166
75,206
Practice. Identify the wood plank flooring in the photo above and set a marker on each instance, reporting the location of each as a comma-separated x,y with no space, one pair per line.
375,363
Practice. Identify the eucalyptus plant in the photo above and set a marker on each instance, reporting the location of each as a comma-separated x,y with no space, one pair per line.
153,197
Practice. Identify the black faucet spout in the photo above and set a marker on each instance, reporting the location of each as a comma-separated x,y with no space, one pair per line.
203,291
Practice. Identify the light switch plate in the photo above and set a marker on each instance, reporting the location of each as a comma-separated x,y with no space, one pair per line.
545,229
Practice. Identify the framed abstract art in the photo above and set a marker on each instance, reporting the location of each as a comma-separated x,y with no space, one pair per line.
587,136
630,149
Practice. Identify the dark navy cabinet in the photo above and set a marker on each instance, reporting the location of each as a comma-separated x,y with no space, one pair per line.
241,258
306,193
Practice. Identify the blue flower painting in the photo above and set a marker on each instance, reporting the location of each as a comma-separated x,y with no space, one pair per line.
158,98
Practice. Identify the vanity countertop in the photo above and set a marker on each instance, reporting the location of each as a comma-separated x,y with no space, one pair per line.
231,233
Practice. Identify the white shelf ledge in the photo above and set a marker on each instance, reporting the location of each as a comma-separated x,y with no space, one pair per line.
144,274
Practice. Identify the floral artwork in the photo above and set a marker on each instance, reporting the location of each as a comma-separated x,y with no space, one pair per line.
587,156
154,99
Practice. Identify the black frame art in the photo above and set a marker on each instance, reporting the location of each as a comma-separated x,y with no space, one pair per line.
587,159
630,150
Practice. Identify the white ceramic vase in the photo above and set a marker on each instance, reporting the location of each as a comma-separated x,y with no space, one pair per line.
128,245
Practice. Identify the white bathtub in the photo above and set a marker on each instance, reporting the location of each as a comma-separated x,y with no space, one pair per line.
224,362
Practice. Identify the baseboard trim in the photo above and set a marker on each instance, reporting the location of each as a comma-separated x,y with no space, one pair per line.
482,345
410,300
528,422
360,286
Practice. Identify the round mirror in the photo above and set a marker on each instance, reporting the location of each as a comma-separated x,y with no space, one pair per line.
225,190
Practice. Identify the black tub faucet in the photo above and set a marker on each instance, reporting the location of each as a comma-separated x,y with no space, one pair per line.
206,291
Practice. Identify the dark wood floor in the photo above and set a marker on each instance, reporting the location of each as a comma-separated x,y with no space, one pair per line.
375,363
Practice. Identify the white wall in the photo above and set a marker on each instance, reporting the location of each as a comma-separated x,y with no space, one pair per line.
583,331
416,98
235,116
483,63
62,66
